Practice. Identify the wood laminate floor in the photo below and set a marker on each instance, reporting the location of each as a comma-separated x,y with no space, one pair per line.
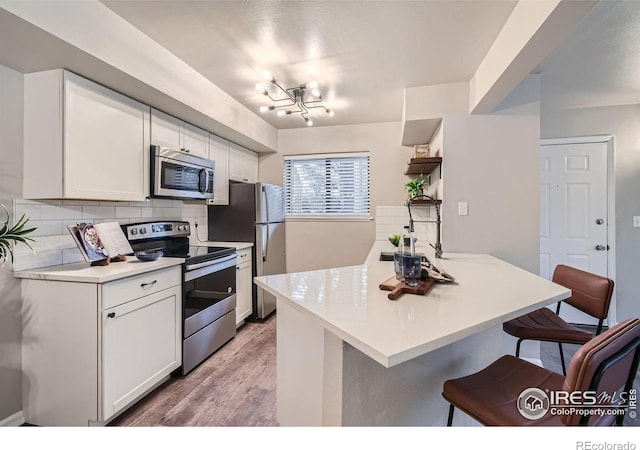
236,386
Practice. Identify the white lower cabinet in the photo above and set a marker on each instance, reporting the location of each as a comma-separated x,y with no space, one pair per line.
244,286
91,350
140,345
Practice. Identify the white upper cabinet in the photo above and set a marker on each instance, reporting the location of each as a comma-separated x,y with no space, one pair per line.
168,131
83,141
243,164
219,153
196,140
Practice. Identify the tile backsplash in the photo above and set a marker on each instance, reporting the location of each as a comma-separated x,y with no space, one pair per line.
392,219
56,246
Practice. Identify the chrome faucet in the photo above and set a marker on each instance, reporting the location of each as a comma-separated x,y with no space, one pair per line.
438,246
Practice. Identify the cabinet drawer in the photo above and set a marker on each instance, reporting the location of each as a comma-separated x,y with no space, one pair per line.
244,255
122,291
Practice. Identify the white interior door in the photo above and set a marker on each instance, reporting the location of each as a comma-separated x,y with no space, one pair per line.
573,212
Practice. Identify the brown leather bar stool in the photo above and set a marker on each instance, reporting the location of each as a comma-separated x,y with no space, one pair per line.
491,396
590,293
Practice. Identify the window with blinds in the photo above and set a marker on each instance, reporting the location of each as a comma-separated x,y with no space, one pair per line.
335,185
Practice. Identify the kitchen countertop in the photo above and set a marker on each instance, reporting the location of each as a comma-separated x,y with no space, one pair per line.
237,245
82,272
347,302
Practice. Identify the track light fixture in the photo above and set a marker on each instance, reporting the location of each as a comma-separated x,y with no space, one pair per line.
295,98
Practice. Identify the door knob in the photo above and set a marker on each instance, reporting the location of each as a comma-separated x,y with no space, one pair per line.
601,248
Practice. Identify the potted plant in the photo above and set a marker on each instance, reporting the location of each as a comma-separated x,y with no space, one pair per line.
416,186
10,236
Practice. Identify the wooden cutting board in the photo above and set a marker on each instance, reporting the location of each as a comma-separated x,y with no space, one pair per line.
398,288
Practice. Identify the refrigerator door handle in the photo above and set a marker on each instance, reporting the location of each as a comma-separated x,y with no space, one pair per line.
266,202
265,245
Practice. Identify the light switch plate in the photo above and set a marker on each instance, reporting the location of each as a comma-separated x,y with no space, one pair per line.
463,208
636,221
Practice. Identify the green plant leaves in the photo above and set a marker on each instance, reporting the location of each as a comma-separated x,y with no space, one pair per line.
415,186
15,234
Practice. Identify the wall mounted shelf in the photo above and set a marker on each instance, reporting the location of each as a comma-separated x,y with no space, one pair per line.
426,202
417,166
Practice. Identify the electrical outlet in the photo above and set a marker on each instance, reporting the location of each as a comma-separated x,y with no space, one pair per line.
463,208
636,221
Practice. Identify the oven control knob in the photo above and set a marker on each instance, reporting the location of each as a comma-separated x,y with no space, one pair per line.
143,231
186,228
180,228
134,231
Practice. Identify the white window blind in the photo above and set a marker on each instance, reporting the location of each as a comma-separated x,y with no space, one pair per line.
335,185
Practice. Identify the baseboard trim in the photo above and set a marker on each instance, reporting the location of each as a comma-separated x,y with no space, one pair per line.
14,420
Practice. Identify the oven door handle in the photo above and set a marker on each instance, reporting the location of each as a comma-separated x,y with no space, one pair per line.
207,267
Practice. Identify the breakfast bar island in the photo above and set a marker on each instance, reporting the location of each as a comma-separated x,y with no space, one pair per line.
349,356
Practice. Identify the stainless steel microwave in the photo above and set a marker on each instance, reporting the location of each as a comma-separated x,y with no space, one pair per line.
180,175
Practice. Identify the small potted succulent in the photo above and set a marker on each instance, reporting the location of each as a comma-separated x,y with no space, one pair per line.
9,236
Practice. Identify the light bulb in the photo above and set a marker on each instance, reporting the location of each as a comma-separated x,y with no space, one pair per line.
281,112
312,85
268,76
264,109
309,121
260,88
315,92
331,113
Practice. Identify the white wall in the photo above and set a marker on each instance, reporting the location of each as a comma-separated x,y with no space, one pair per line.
321,244
623,122
490,161
11,93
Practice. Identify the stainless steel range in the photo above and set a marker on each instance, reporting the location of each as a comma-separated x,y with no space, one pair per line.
209,286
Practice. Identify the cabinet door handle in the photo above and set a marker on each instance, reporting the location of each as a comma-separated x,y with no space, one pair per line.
144,285
237,268
111,315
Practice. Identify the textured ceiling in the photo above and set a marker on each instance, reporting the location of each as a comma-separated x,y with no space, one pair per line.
362,53
598,64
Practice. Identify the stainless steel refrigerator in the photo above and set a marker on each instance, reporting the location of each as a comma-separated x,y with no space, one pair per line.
255,214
